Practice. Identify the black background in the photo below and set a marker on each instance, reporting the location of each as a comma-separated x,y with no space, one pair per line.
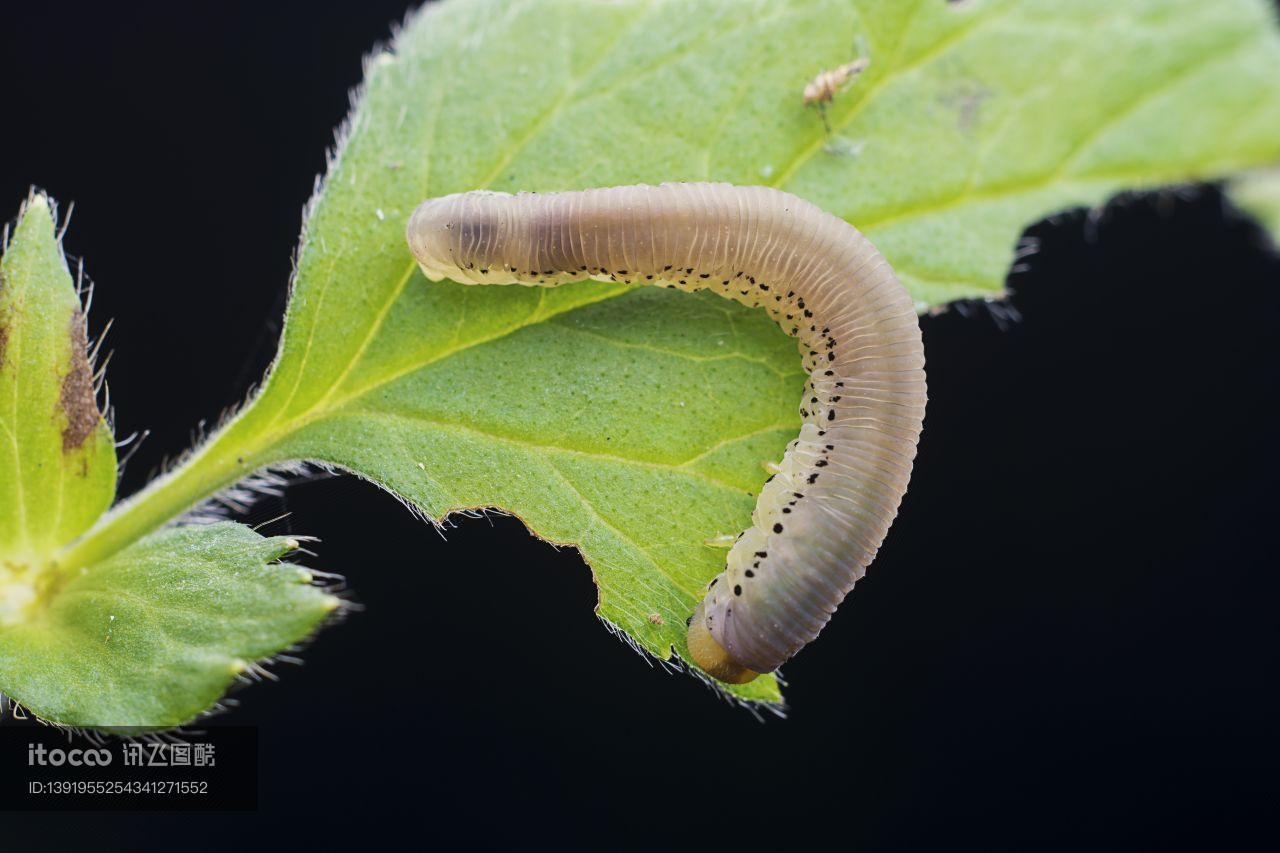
1071,633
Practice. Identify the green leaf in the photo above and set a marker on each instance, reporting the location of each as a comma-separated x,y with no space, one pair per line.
634,423
57,458
155,635
1257,193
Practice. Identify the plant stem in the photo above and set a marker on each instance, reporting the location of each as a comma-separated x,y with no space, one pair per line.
223,459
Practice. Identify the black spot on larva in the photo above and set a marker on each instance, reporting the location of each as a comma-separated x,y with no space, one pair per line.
622,272
831,356
786,510
827,372
714,581
667,267
749,573
737,589
813,478
777,528
831,414
688,621
762,554
763,286
704,275
831,447
821,463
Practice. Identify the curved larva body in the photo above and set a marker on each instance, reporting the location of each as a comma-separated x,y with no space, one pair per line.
819,521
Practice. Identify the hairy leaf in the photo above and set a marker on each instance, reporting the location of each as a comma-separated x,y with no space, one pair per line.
634,423
57,459
157,633
152,634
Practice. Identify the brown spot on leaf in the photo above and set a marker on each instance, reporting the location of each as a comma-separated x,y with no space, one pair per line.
77,390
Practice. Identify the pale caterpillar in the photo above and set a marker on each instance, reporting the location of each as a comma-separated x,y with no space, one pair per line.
820,519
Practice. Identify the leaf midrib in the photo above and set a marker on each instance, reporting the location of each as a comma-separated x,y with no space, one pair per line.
546,449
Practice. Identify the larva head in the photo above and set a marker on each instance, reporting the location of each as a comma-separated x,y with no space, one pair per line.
455,234
711,656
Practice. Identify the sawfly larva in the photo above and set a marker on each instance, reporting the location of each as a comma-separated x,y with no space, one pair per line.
820,519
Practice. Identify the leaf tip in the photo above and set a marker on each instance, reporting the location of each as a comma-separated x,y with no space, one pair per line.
36,218
38,202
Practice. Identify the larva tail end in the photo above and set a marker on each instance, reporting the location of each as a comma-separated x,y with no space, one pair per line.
711,656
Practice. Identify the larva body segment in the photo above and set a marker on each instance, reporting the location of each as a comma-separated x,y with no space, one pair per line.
819,521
